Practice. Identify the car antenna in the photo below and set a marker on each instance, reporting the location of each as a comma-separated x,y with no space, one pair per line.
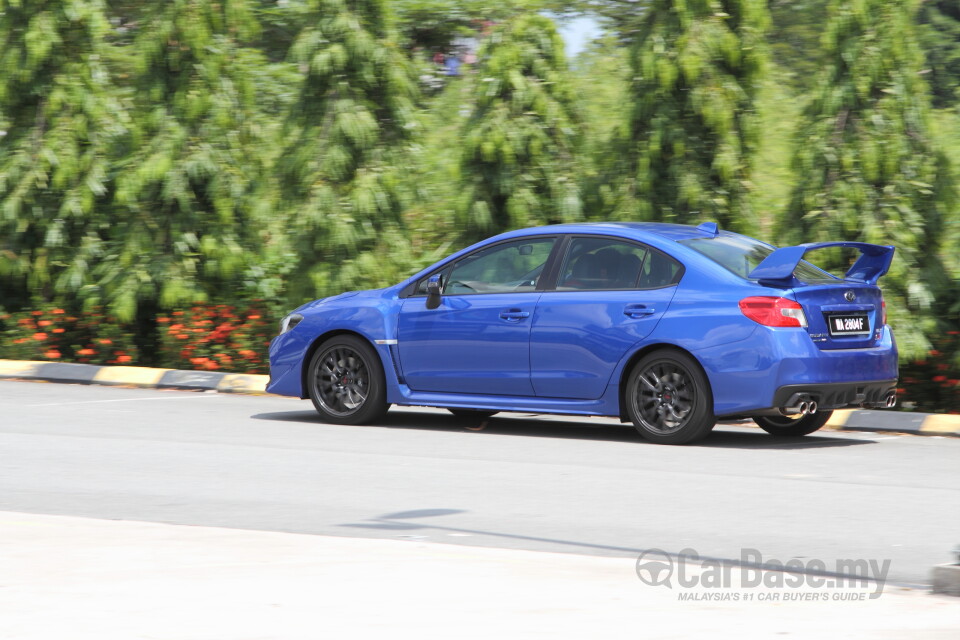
709,227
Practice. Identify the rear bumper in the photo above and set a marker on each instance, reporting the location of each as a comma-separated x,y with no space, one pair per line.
838,394
762,373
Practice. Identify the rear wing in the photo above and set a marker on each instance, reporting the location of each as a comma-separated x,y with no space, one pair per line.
778,267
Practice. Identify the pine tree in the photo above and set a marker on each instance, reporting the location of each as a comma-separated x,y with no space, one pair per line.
697,67
58,122
939,36
191,187
866,165
343,164
520,143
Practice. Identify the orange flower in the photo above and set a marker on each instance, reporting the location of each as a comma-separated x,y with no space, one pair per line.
44,323
163,320
40,336
106,341
86,352
181,336
124,358
59,330
253,317
38,313
53,354
178,313
58,311
19,341
198,360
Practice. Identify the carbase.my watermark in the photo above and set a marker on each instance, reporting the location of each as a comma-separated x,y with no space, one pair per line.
796,579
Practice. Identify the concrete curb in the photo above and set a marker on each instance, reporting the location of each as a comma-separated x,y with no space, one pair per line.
921,424
144,377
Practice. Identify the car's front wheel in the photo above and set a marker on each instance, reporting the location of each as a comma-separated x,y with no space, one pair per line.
668,398
346,382
793,426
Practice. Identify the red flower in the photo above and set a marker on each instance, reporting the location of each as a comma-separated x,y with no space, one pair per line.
939,378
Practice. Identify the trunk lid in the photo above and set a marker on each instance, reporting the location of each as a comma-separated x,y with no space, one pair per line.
842,315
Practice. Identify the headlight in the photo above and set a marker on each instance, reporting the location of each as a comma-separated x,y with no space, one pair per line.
289,322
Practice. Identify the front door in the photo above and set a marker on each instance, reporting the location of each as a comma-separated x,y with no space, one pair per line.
478,340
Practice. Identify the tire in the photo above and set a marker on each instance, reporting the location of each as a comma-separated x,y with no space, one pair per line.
793,427
473,414
346,383
668,398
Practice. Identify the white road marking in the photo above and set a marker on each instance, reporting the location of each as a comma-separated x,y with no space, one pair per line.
178,397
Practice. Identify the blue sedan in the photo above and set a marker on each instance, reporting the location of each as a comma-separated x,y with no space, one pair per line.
670,327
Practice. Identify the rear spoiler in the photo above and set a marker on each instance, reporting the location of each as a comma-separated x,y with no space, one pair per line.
778,267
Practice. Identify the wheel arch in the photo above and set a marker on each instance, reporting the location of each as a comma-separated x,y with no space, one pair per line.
319,340
638,355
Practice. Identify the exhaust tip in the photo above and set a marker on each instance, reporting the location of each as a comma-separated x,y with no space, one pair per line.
804,408
812,407
891,401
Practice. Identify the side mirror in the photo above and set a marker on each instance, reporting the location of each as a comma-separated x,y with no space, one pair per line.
433,292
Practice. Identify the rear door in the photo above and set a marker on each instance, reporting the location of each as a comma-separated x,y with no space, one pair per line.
610,294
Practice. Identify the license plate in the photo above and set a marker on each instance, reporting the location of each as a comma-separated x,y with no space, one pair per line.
849,325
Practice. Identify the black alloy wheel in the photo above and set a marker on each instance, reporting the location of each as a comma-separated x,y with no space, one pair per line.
346,382
668,398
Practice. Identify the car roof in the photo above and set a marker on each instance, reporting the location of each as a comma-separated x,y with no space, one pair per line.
629,229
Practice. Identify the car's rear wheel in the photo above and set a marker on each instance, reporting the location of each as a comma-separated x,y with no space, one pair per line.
668,398
793,426
345,381
472,414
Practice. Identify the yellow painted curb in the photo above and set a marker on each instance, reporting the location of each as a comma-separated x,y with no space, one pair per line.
945,424
839,418
14,368
137,376
243,383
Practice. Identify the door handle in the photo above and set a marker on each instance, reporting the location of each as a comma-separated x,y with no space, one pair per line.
514,315
638,310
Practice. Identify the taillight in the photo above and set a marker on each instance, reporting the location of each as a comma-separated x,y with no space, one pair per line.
773,312
883,313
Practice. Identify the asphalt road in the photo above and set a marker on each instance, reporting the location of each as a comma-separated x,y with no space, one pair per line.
551,484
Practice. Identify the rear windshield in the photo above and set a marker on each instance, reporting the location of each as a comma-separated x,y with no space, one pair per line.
741,255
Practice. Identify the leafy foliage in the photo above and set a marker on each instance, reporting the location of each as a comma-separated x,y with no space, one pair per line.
940,39
867,167
58,122
189,191
353,114
521,141
697,66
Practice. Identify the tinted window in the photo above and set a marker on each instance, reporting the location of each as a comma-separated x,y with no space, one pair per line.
505,267
601,263
742,255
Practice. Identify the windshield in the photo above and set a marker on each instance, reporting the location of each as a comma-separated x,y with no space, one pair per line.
741,255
